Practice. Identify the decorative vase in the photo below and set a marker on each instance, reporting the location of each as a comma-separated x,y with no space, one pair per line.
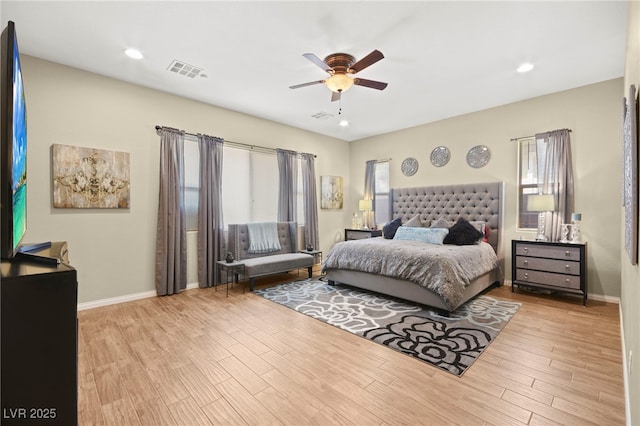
229,257
309,247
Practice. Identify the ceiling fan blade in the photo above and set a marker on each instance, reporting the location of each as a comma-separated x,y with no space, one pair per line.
311,83
370,83
335,96
319,62
368,60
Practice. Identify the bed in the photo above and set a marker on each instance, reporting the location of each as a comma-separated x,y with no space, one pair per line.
480,202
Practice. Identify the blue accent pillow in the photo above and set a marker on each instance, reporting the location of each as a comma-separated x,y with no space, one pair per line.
389,230
426,235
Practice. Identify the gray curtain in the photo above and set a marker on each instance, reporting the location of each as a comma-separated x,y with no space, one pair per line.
310,201
210,223
557,179
171,247
370,189
288,171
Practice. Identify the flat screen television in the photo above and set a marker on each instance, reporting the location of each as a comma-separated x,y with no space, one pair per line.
13,146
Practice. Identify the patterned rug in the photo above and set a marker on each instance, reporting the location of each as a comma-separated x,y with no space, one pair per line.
451,344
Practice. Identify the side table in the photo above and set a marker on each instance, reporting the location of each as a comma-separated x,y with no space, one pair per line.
317,255
233,269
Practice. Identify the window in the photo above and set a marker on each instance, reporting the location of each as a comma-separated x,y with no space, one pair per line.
531,154
382,192
249,186
191,183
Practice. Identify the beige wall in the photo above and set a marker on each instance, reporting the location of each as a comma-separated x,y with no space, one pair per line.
631,274
113,250
594,115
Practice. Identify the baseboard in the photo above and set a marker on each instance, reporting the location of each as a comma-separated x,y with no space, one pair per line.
590,296
625,372
121,299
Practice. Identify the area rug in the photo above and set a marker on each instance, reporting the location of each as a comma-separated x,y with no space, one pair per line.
451,343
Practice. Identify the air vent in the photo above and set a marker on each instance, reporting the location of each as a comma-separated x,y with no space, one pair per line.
185,69
322,115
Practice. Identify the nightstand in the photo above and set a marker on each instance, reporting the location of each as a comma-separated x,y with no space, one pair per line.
560,267
358,234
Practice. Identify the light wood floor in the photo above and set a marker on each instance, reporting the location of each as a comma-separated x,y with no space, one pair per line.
199,358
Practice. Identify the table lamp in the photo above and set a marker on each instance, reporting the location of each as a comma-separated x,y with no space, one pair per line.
365,206
576,218
541,203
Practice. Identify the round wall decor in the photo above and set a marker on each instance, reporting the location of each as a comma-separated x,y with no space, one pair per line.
478,156
409,166
440,156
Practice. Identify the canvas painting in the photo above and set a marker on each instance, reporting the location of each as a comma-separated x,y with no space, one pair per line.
332,192
90,178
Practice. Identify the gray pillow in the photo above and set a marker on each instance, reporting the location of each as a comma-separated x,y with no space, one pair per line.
414,222
441,223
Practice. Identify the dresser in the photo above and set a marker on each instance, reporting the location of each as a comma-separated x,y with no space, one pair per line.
358,234
559,267
39,383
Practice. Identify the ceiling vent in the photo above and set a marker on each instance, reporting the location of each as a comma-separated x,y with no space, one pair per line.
185,69
322,115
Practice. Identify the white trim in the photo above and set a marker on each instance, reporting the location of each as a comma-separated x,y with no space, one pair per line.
122,299
625,372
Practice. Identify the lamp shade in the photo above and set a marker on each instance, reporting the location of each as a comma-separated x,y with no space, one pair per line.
541,203
365,205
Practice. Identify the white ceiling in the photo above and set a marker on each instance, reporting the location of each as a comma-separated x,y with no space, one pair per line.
442,59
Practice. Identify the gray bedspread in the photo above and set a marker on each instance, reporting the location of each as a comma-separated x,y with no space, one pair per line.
444,269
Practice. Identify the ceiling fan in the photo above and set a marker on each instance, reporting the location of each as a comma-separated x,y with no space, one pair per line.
341,66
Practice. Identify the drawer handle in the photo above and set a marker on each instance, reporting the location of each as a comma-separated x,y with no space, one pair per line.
526,275
567,253
526,263
525,249
567,280
567,267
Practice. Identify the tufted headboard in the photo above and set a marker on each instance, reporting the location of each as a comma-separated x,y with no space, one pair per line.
474,201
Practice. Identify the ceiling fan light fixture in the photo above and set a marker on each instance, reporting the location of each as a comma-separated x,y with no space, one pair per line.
339,83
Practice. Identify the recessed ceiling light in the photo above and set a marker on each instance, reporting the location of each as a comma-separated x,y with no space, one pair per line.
133,53
526,67
344,122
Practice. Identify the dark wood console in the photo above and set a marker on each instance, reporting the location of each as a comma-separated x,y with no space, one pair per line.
39,377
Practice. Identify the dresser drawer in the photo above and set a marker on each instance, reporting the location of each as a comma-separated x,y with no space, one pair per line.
549,265
547,278
552,252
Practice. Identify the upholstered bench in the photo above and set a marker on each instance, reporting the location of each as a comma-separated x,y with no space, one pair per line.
261,264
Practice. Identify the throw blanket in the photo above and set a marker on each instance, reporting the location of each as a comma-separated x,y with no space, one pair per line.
263,237
444,269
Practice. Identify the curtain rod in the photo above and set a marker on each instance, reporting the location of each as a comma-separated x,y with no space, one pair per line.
527,137
241,145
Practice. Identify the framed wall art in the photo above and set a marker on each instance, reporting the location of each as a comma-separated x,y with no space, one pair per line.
89,178
630,178
332,191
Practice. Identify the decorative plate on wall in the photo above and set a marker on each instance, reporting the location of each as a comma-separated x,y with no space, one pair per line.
440,156
409,166
478,156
